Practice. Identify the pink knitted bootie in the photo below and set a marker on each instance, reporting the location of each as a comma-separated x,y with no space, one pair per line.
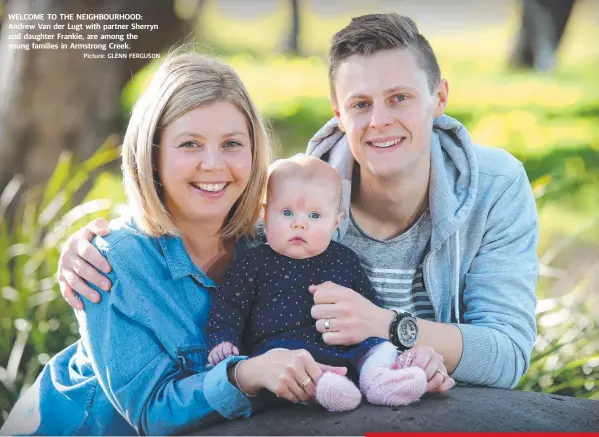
392,387
337,393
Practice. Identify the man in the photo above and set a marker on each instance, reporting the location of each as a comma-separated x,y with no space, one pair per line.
446,230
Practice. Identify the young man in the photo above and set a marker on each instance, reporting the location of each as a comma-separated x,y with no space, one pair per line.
446,230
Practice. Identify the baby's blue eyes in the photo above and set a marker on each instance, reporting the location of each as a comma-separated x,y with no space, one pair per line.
289,213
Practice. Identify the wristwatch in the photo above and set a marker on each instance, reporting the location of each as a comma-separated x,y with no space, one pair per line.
403,330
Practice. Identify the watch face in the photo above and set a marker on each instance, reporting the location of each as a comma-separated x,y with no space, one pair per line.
407,331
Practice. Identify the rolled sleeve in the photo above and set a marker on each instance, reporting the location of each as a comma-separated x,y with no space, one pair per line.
477,343
223,396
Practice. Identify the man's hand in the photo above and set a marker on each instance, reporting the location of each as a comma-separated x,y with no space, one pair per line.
80,262
349,316
222,351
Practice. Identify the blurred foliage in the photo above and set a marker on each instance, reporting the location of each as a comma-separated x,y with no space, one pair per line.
35,322
550,122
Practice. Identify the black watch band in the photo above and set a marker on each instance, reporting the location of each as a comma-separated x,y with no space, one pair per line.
403,330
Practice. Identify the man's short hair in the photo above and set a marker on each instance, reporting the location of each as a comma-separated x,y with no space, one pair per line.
369,34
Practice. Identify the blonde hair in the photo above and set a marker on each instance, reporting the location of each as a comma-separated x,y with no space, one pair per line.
183,82
306,169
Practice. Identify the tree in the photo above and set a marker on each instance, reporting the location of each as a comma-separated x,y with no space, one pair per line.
292,43
55,99
541,30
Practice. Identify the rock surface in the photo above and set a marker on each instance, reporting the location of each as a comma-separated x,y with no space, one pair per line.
461,409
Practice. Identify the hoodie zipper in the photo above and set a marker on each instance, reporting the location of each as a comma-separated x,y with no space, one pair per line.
426,279
452,273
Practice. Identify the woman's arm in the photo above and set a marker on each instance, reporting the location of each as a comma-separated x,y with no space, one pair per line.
289,374
144,383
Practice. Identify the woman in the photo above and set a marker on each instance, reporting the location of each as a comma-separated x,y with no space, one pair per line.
195,159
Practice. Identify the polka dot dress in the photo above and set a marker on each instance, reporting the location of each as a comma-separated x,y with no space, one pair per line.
265,303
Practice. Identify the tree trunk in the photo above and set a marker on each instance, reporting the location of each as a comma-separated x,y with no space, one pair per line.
541,30
55,99
292,44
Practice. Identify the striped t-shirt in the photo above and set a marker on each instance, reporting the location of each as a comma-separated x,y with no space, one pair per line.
394,266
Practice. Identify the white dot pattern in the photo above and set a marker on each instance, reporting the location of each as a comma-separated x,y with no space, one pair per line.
265,302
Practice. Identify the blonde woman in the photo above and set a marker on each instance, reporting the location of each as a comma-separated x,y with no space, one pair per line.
195,161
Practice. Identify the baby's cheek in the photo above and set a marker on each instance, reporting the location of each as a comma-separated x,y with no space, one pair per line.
322,238
275,236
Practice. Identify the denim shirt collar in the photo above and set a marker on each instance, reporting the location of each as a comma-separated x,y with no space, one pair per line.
179,262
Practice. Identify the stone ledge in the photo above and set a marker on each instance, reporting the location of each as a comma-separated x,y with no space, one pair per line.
461,409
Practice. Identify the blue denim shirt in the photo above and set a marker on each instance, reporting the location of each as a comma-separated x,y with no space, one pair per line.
140,365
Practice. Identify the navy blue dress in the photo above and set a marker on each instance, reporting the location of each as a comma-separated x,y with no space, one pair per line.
265,303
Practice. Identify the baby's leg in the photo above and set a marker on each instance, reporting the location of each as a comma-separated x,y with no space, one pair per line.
383,354
337,393
383,385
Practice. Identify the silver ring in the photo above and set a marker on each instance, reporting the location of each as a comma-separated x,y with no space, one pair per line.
327,324
442,373
307,381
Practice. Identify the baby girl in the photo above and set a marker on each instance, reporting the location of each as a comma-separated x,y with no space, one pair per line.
265,303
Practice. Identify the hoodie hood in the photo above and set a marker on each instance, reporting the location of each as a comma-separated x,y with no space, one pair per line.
453,177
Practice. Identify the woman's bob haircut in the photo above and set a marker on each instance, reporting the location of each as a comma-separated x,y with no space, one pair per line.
183,82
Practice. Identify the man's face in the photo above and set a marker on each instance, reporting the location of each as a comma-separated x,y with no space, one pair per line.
385,107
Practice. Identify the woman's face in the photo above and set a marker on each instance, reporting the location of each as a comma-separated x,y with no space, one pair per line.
205,162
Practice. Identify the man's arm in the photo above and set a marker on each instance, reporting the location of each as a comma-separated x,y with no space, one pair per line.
80,261
444,338
499,328
492,346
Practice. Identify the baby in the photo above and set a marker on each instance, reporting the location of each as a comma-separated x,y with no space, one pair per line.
265,299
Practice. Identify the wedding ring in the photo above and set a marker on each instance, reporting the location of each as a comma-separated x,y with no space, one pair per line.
442,373
307,381
327,324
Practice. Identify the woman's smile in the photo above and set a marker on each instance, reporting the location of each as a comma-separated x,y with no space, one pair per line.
211,190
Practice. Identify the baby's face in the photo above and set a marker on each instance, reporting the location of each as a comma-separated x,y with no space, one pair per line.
300,218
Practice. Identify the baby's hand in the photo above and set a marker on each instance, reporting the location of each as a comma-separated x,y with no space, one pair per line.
222,351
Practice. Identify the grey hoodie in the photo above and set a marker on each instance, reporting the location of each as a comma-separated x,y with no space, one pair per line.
482,268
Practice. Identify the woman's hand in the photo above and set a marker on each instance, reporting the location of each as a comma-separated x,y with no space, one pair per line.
80,262
289,374
427,359
351,317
